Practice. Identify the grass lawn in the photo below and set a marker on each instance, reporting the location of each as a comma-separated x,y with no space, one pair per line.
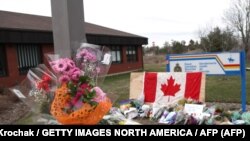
218,88
117,87
226,89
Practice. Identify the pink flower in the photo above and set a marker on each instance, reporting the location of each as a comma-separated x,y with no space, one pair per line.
90,57
70,63
81,54
100,95
76,101
53,66
61,65
98,70
75,75
67,71
84,87
54,69
73,70
64,78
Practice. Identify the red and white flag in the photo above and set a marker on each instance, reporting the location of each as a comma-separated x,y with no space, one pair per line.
167,88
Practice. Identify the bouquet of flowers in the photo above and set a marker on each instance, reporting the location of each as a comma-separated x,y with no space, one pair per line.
69,92
36,90
78,99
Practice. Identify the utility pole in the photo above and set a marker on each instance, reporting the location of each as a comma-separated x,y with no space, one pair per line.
68,26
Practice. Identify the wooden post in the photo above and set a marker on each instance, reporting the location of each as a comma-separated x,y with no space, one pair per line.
68,26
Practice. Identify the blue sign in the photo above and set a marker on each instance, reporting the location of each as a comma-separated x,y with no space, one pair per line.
212,64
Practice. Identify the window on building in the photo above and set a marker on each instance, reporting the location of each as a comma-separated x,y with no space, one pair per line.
29,56
3,65
116,54
131,53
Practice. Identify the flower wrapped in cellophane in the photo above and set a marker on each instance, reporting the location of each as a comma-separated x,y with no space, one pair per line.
78,99
36,90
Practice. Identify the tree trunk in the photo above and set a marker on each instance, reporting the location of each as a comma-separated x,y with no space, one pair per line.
248,55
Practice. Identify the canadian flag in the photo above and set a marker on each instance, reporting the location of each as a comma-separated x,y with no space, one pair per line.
167,88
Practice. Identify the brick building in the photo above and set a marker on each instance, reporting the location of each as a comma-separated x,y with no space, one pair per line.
24,39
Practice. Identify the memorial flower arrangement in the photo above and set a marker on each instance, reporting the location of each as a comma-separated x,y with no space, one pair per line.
69,92
78,99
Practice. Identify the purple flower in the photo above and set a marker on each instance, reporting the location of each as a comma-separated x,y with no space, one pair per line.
86,55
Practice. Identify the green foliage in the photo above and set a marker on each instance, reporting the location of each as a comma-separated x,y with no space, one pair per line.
73,88
218,40
84,79
193,45
83,87
178,47
88,97
164,51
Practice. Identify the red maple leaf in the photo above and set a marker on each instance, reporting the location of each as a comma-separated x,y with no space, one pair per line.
169,89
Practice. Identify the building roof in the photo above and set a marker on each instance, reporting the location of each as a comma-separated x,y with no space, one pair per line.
19,21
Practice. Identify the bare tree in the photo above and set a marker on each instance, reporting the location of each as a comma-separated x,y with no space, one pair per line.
238,17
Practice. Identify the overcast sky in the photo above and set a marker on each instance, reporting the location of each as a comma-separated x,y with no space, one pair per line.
159,20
